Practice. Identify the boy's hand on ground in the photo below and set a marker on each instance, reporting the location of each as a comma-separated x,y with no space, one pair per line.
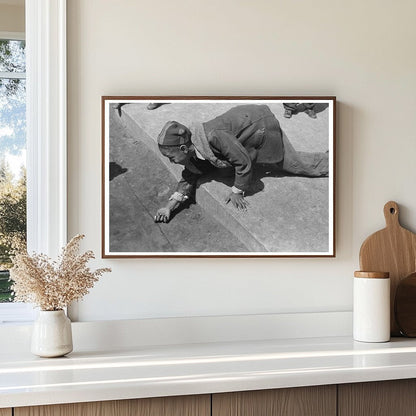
237,200
162,215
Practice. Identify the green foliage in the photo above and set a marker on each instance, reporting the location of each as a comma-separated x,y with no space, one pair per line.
6,294
12,213
12,55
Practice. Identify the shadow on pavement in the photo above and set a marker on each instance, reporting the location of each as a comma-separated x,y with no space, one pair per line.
226,177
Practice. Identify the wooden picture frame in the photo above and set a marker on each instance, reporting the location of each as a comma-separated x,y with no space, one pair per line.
279,151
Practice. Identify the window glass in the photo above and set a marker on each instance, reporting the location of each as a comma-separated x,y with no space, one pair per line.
12,56
12,156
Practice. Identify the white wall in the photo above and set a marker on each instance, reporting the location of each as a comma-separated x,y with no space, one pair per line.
361,51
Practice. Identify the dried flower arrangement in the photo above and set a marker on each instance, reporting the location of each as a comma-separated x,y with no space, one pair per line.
53,285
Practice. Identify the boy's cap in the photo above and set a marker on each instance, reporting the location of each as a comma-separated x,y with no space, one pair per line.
174,134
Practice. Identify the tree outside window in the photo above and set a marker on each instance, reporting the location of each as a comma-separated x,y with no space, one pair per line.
12,155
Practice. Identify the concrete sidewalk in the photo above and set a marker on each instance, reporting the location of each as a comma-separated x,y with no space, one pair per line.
135,197
286,214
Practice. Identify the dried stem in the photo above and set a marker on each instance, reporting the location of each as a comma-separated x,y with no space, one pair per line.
53,285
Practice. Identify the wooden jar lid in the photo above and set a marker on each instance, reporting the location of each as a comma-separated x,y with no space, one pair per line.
372,275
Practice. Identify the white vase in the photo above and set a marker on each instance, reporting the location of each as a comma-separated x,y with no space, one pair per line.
52,334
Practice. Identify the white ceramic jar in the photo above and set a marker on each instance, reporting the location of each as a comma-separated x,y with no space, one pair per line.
52,334
371,310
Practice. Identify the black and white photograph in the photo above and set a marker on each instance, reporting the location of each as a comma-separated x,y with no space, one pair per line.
218,176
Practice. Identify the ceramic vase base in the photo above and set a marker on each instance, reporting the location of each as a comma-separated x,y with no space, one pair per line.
52,335
54,352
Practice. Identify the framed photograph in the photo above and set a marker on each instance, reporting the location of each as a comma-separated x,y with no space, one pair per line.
218,176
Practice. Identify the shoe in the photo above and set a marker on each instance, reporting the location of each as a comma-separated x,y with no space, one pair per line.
118,108
288,113
153,106
311,113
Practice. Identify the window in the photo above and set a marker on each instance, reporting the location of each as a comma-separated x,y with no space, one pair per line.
12,154
46,133
12,165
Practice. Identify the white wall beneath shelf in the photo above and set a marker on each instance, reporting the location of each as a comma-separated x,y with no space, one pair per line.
133,333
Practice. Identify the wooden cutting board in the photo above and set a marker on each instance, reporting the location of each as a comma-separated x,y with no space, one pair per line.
393,250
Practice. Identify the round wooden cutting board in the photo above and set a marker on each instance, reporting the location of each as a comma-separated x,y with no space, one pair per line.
393,250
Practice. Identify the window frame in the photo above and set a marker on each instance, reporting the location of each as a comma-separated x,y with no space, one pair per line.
46,125
46,138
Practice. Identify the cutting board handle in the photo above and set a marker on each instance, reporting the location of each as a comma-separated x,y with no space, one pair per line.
391,214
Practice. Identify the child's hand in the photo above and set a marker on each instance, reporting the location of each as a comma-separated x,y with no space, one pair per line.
162,215
237,200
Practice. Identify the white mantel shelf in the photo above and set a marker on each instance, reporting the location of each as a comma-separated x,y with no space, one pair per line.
167,370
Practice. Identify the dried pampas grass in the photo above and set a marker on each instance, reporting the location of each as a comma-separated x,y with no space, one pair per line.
53,285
